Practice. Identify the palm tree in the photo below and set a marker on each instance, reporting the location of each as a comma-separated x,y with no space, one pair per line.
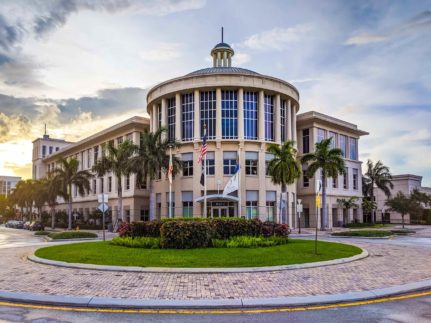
52,191
368,206
68,174
377,175
117,160
284,168
404,205
331,163
348,204
152,158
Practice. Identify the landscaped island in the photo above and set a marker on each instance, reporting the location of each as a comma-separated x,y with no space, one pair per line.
199,243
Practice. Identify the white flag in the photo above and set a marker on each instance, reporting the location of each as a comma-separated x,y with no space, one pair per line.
233,183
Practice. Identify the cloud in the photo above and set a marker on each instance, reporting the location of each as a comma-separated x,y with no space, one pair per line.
162,52
414,25
277,38
240,58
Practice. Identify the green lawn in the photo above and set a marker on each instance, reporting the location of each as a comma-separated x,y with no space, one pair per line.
364,233
103,253
366,225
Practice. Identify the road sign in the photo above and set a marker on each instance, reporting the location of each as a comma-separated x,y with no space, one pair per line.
103,207
102,198
318,201
318,186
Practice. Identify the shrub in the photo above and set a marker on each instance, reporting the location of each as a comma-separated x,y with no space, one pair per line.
41,233
138,242
72,235
364,233
185,234
224,228
146,229
275,229
249,242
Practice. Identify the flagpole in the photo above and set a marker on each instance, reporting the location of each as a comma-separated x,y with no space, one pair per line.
205,178
170,182
239,183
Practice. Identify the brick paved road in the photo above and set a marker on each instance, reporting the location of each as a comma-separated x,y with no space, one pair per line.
387,265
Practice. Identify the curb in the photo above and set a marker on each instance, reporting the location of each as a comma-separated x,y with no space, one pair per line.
103,302
48,239
44,261
361,237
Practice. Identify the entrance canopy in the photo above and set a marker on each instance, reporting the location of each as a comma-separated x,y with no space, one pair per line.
217,197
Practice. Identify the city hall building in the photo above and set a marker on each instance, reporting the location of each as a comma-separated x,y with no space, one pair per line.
243,111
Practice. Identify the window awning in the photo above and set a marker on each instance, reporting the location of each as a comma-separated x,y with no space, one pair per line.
217,197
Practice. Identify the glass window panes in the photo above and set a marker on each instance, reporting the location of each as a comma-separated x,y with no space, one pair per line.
346,178
229,162
187,199
333,137
268,158
187,160
171,118
305,141
284,120
343,143
251,162
268,106
355,179
159,115
320,134
210,157
251,204
353,149
229,114
270,205
208,113
250,115
305,179
187,115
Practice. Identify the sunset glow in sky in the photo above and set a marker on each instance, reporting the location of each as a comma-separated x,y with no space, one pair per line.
82,65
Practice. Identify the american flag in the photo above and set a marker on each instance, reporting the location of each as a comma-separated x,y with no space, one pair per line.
204,146
170,169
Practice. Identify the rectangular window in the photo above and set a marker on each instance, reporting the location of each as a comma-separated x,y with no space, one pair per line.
250,115
94,186
129,137
159,116
334,182
88,158
43,151
127,182
320,134
158,205
268,106
229,114
210,156
187,160
305,141
283,121
109,184
50,150
171,119
305,179
102,187
251,206
343,144
251,162
355,178
333,137
57,148
208,113
268,158
81,161
187,115
353,148
119,140
229,162
271,210
346,178
187,198
95,153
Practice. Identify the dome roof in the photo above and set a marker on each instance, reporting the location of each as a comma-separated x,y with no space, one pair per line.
223,70
222,45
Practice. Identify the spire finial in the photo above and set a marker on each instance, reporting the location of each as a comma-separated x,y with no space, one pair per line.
222,34
45,130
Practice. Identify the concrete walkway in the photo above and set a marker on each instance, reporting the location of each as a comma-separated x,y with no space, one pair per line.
389,265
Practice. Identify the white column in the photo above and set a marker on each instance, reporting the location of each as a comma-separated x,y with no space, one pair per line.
178,116
261,116
197,117
225,59
241,114
218,114
294,125
155,116
164,113
289,119
277,121
218,59
330,217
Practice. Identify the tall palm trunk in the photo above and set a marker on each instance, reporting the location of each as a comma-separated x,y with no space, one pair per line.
152,201
69,226
53,218
372,200
324,210
120,199
284,208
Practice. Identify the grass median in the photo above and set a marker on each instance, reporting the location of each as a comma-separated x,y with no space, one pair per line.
364,233
103,253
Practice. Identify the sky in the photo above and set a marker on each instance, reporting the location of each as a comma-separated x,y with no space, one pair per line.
79,66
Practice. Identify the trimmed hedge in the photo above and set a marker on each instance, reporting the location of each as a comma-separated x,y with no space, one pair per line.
71,235
186,234
225,228
363,233
249,242
41,233
138,242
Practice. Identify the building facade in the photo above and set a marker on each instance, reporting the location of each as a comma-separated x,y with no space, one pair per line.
8,183
243,111
405,183
87,151
313,127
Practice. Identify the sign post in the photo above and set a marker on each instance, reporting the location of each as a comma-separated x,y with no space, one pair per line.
299,210
318,203
103,207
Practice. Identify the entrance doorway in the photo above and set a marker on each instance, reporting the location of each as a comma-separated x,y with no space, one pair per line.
217,212
218,209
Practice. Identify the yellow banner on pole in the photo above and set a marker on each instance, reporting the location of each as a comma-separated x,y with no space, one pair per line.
318,201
